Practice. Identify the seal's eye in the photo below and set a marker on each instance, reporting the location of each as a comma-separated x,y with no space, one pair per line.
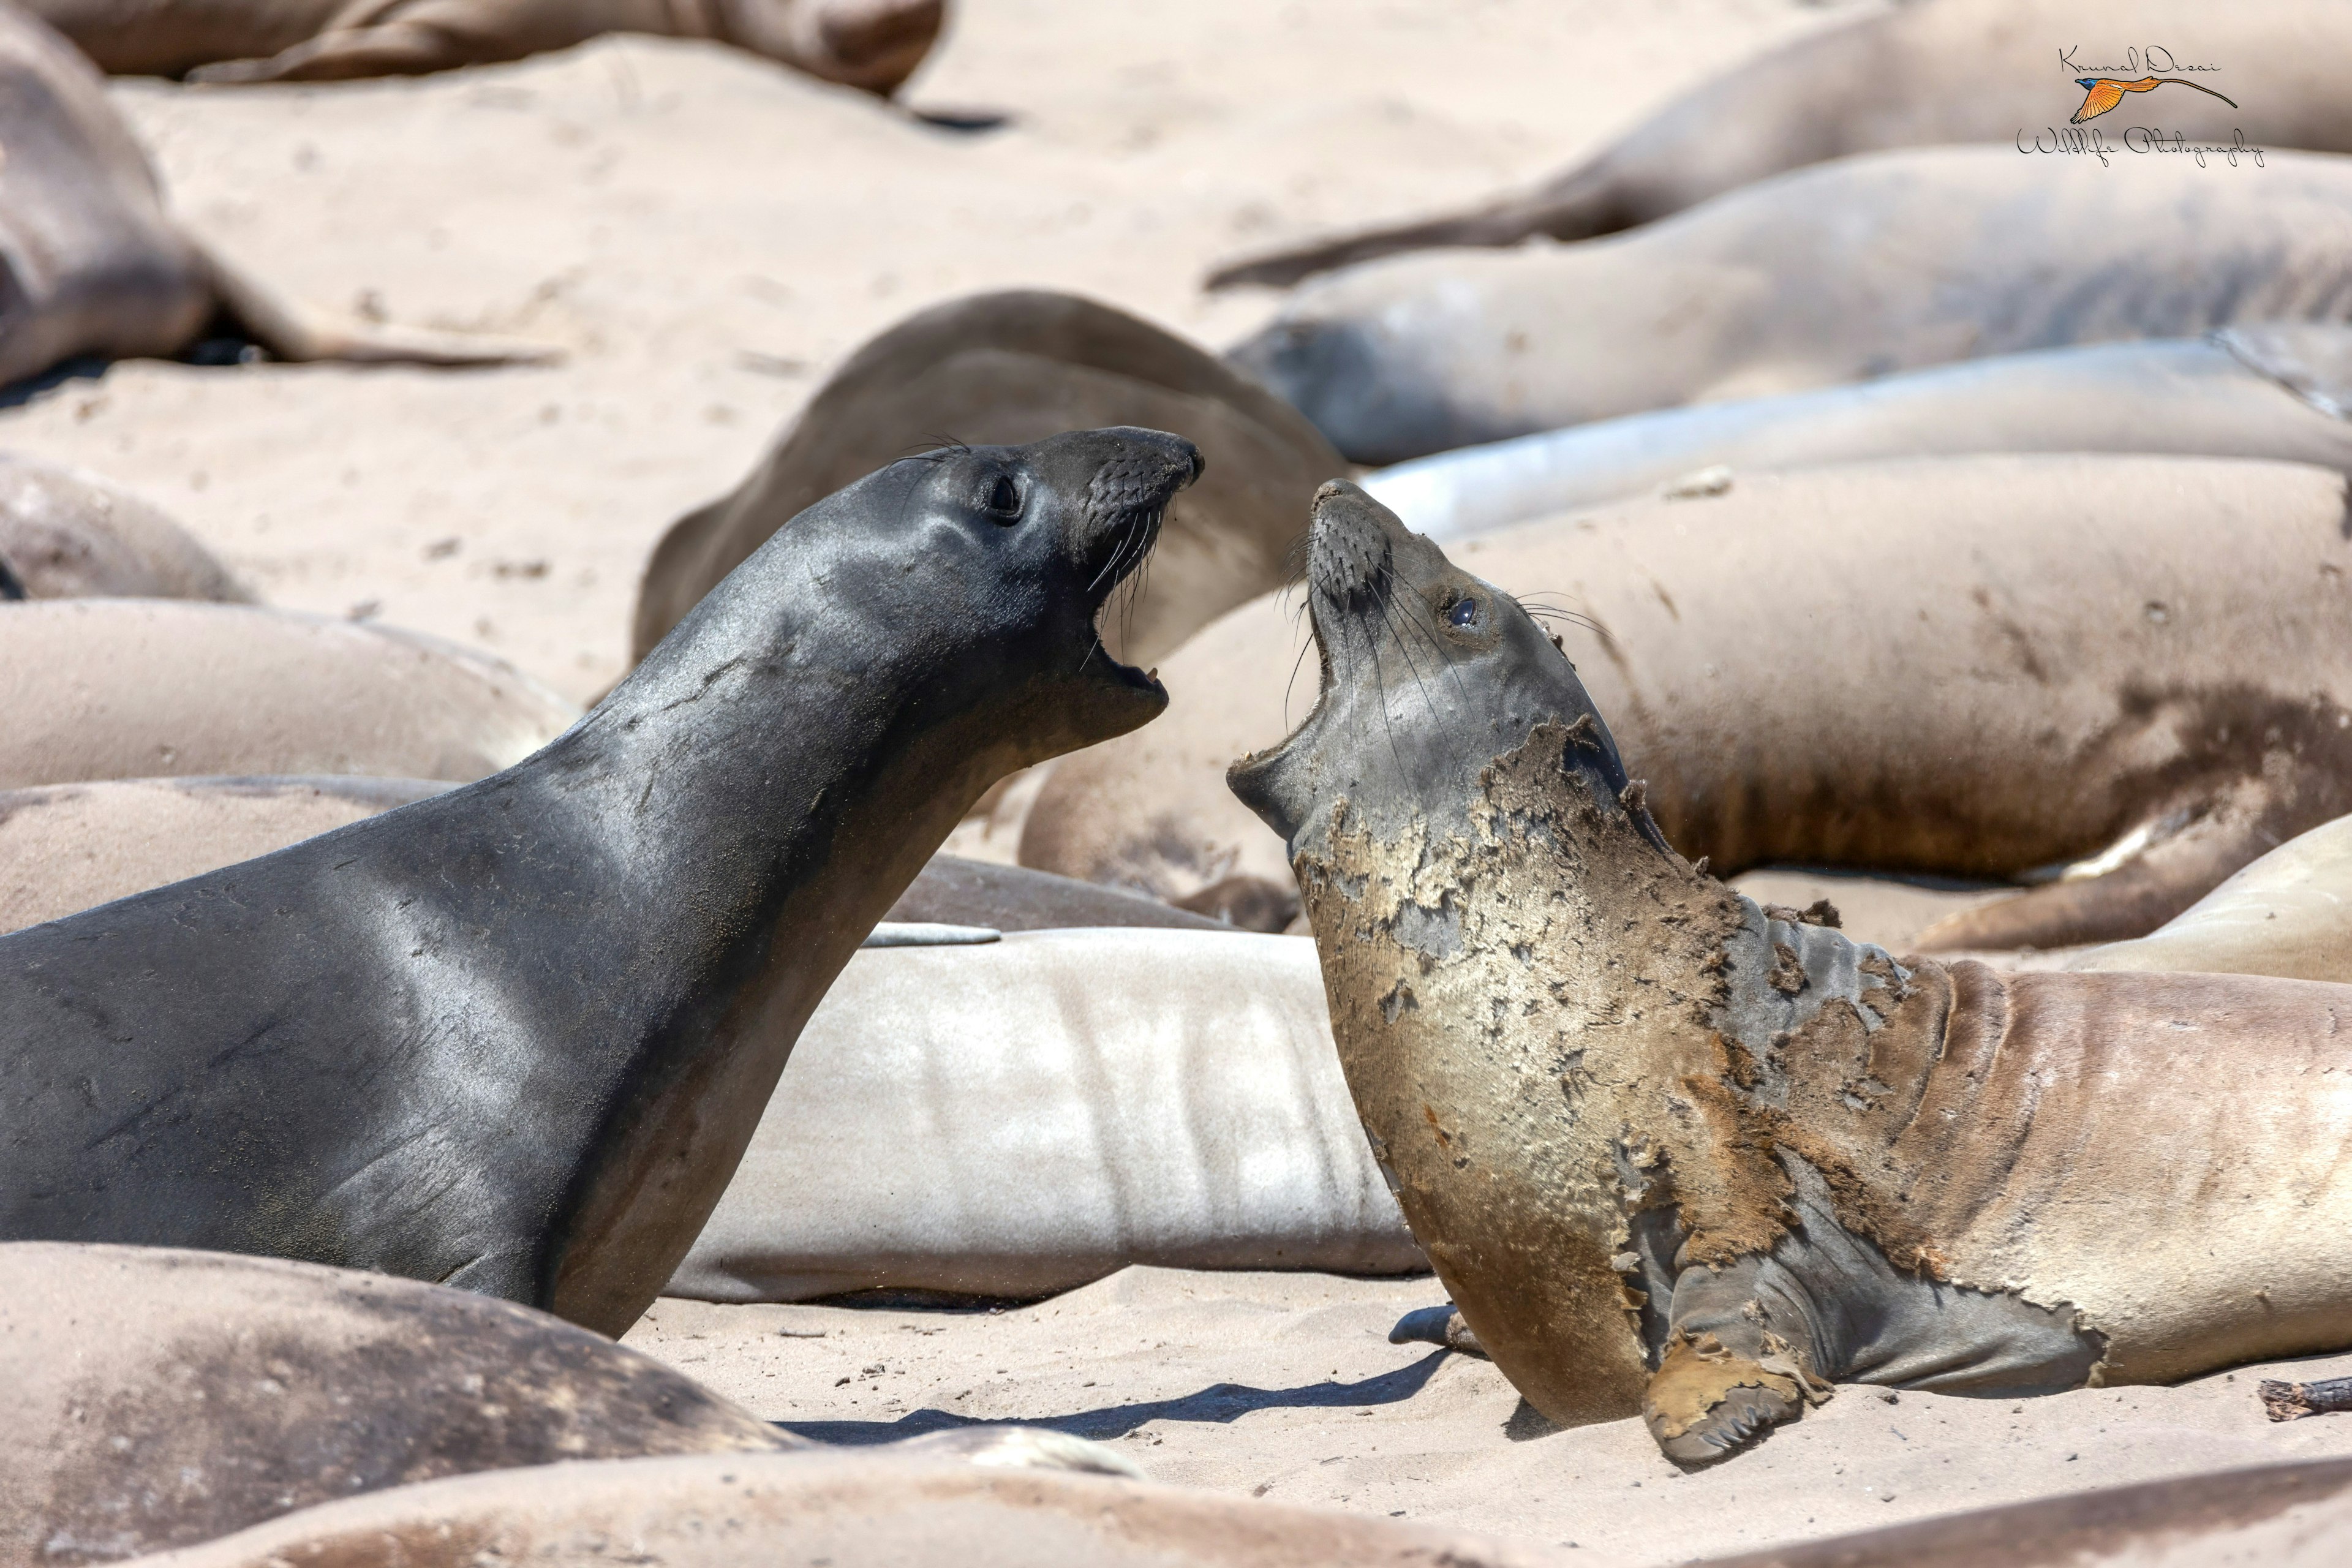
1004,498
1464,612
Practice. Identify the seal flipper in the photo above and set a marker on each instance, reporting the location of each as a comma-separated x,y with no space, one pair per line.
1726,1378
2130,901
303,334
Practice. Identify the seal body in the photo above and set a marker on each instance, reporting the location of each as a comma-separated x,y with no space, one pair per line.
66,534
1014,366
1810,279
95,264
515,1037
68,847
109,688
2108,694
159,1398
2271,392
1670,1154
843,1507
2288,913
1914,76
1020,1118
871,44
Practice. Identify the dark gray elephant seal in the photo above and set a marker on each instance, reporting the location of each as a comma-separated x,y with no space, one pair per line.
870,44
1838,273
1924,74
2282,393
90,262
68,534
1014,367
1674,1153
502,1038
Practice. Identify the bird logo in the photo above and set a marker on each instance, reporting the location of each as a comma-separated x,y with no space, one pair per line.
2102,93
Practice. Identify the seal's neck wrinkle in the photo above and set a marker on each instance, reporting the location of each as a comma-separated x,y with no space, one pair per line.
1521,978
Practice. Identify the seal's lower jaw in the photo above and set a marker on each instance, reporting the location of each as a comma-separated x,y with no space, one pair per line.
1271,782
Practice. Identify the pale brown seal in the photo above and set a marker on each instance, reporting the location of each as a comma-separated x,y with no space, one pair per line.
848,1509
1991,667
1674,1153
68,534
2288,913
91,263
109,689
1916,75
870,44
1836,273
1014,366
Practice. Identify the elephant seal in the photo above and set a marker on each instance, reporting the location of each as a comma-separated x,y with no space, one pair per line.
515,1036
90,262
2289,1515
874,45
1673,1154
68,847
1912,76
1020,1118
1014,367
849,1507
159,1398
953,890
66,534
2289,913
2108,694
167,1397
99,689
1810,279
2276,391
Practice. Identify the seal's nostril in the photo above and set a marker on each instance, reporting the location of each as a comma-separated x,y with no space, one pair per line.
1200,465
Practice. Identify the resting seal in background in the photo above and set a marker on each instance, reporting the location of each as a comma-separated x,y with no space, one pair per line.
1672,1154
1982,668
90,263
1014,367
1838,273
106,689
857,1509
1020,1118
870,44
68,847
1918,75
2289,913
66,534
158,1397
2282,393
161,1398
515,1037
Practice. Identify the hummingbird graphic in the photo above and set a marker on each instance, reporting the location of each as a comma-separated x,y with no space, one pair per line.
2103,93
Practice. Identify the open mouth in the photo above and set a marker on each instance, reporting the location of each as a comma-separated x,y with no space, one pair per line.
1127,503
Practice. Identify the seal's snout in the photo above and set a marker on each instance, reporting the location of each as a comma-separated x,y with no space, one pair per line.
1349,552
1127,500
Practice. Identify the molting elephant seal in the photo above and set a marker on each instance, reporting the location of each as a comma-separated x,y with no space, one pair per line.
1677,1154
2110,697
515,1036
